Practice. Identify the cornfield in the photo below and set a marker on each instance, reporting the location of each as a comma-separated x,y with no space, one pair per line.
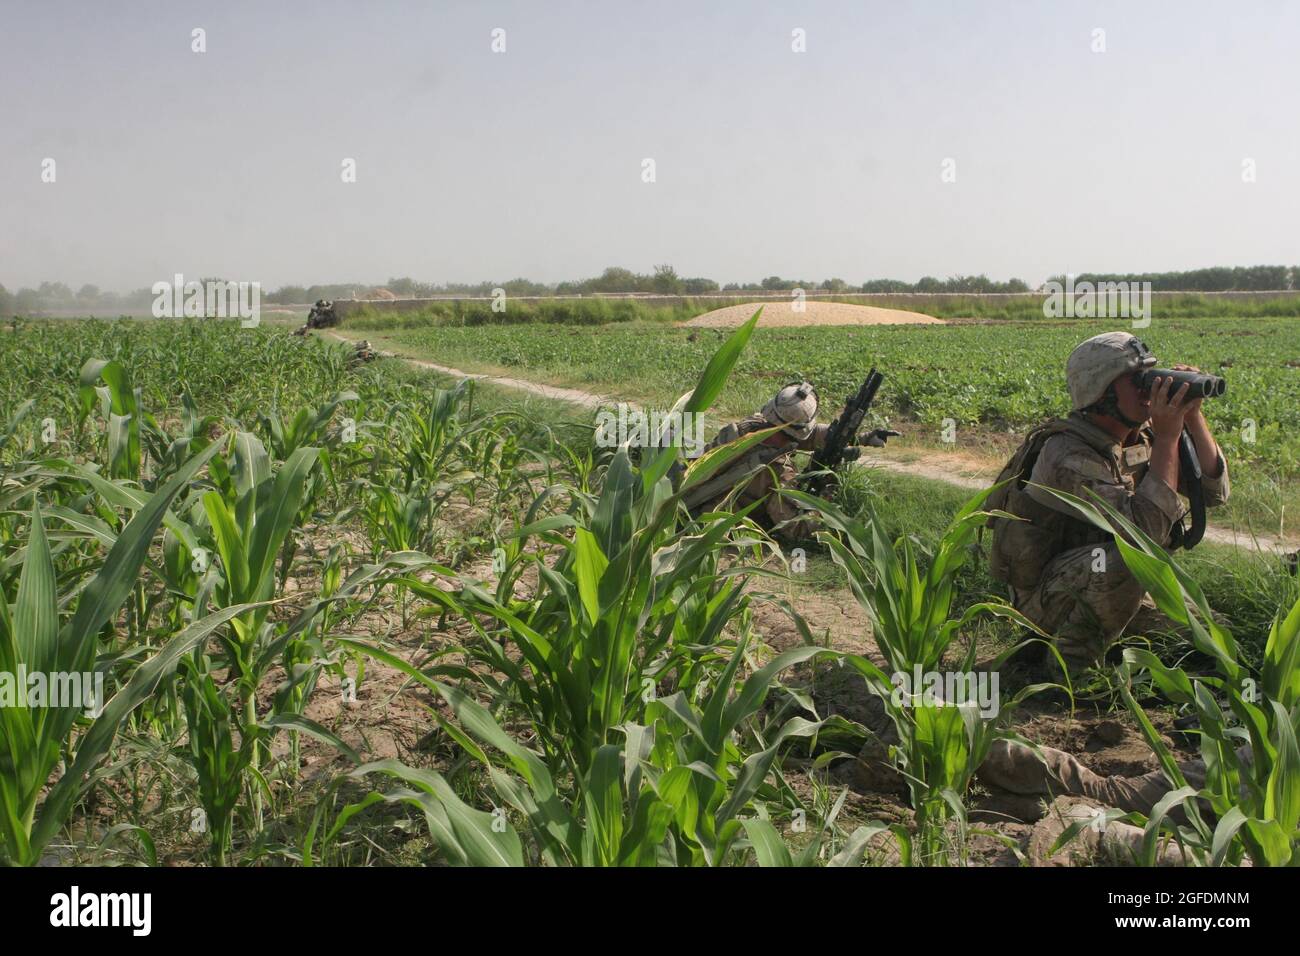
241,535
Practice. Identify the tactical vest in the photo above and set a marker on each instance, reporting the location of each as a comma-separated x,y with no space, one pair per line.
1021,549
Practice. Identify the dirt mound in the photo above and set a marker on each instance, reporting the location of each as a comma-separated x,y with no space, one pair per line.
815,312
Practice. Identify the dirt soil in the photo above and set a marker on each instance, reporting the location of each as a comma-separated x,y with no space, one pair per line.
813,312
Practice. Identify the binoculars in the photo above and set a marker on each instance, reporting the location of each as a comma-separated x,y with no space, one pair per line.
1199,384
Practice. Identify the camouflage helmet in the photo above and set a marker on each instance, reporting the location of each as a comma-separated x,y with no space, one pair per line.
795,407
1097,362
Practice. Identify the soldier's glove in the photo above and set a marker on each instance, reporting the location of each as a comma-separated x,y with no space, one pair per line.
876,439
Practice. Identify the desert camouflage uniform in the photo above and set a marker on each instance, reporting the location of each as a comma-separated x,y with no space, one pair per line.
1060,580
1016,768
776,512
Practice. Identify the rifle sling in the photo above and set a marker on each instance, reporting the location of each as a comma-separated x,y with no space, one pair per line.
1190,466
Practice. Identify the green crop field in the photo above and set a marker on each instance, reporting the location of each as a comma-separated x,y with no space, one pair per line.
348,612
988,378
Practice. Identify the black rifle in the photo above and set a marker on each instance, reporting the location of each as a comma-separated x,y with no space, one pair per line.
840,437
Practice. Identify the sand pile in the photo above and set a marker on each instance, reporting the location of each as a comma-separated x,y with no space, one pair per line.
815,312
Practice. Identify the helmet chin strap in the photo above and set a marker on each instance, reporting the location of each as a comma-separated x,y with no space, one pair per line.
1108,404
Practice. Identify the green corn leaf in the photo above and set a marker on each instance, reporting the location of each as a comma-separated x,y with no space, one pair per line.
275,523
1282,802
36,614
1276,844
467,834
1280,676
310,727
769,848
589,566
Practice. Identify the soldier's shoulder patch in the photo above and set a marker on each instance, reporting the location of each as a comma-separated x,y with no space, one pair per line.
1135,455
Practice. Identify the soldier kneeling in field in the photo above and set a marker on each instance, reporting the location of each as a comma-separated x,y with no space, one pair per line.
769,465
1121,442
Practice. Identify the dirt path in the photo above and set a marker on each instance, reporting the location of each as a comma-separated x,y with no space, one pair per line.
934,466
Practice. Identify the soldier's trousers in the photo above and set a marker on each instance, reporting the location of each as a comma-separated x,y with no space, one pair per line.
1086,598
1016,769
776,513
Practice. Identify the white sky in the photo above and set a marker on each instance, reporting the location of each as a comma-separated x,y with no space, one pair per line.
473,165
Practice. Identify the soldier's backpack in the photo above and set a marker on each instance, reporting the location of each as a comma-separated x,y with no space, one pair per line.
1021,548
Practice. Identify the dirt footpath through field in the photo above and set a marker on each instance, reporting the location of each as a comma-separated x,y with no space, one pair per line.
809,312
934,466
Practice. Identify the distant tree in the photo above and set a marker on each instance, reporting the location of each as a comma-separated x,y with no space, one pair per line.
834,285
886,285
613,279
287,294
699,286
975,284
665,280
27,301
55,295
136,299
6,302
523,286
88,293
928,284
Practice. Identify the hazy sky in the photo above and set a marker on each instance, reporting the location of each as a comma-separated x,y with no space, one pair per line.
480,165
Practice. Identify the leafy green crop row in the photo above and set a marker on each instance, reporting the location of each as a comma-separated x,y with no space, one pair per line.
1000,376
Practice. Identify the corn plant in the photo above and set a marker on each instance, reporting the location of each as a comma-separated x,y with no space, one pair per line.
627,605
307,427
910,608
119,404
672,791
605,627
252,515
32,640
635,602
941,744
1250,803
228,737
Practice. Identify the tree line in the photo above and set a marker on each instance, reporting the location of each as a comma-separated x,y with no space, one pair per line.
663,280
1216,279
